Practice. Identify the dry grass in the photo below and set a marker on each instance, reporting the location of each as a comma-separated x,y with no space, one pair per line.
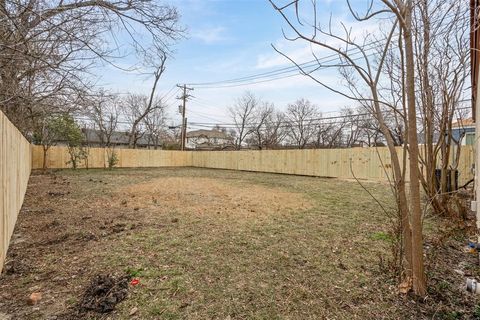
205,244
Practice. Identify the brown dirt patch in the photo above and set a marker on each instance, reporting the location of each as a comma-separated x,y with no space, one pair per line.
205,195
104,293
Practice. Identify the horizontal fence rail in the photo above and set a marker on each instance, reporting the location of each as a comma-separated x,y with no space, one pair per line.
15,167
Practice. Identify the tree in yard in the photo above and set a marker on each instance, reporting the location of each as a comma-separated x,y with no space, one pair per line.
365,80
71,133
134,111
47,49
274,131
441,34
103,111
155,125
243,115
47,132
301,117
137,107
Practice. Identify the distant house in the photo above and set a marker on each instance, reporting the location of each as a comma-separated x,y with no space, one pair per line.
464,132
208,140
119,139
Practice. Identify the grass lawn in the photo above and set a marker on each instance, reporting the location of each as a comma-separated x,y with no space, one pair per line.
211,244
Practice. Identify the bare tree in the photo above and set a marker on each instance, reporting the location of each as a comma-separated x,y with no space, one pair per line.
301,117
370,133
351,127
441,45
155,125
363,78
274,132
328,133
262,115
138,106
243,115
103,111
48,47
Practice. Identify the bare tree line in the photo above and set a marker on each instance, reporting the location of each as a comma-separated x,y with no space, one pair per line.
134,116
258,124
419,67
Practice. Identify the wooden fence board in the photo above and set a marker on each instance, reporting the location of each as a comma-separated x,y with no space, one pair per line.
15,167
18,157
362,163
58,157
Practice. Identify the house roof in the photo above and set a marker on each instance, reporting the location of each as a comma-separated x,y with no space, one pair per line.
118,137
463,123
208,134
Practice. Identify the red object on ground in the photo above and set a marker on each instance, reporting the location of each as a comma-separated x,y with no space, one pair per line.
134,282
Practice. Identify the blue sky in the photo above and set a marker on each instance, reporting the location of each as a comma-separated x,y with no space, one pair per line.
229,39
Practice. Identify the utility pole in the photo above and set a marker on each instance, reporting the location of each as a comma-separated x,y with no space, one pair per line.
184,97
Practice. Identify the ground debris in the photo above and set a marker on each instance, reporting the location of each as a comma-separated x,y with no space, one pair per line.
57,193
104,293
133,311
34,298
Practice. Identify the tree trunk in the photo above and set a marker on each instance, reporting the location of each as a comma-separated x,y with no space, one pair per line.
45,150
400,188
419,280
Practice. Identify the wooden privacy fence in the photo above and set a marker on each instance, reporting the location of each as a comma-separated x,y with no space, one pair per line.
18,157
363,163
58,157
15,167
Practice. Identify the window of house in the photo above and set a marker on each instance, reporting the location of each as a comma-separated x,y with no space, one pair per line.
470,139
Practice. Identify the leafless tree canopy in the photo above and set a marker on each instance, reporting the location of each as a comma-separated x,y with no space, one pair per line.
243,115
104,112
301,117
415,66
48,47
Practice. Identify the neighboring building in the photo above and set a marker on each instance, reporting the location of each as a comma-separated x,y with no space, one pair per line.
464,132
118,139
208,140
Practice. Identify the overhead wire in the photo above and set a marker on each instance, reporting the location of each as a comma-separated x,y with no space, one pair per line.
316,64
306,122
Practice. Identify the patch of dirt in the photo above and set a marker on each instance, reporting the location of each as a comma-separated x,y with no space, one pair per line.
101,296
205,195
55,236
104,293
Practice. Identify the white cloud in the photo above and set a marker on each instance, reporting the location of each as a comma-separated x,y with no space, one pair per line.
298,51
210,35
301,51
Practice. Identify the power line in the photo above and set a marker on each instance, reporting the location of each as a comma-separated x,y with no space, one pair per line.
308,64
166,94
317,63
204,115
322,119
